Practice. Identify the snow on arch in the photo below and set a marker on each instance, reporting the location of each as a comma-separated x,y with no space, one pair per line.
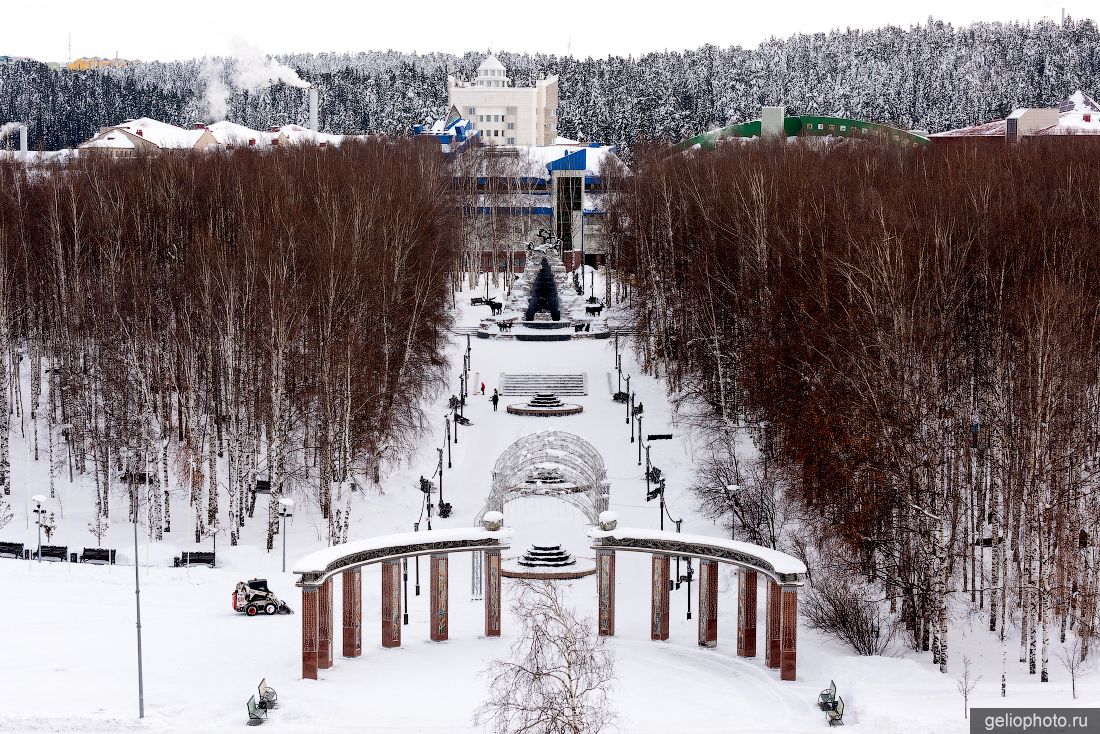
583,476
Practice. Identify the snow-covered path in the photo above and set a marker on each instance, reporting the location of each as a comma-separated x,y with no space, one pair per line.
67,639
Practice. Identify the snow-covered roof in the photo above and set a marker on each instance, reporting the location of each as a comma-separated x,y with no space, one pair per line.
322,561
1078,114
231,133
492,62
160,134
779,561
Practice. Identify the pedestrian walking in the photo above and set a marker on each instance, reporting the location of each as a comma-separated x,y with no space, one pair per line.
495,399
483,388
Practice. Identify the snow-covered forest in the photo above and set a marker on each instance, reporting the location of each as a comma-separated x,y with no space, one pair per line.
270,317
932,77
911,340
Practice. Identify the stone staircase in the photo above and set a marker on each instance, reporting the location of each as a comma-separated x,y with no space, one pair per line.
533,384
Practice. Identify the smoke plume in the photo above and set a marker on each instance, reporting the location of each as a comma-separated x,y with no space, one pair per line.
247,67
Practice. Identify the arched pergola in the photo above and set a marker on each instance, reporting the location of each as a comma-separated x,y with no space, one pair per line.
585,483
583,480
783,575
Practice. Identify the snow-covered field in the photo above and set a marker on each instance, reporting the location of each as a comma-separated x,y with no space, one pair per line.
67,633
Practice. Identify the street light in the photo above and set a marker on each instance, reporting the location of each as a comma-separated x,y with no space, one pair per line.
125,453
628,401
286,507
38,500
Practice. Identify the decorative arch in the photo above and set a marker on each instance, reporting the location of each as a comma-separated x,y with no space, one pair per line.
551,464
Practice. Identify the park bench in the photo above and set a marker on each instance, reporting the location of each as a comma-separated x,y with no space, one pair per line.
621,397
477,301
194,558
15,550
101,555
826,700
262,486
53,552
256,714
463,420
268,695
836,715
138,477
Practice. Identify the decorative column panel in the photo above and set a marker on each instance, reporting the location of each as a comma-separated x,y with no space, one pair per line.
352,584
324,626
788,632
605,585
492,593
659,616
391,603
438,571
771,652
746,614
708,603
309,631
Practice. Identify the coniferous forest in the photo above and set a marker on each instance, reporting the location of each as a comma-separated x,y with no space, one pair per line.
931,77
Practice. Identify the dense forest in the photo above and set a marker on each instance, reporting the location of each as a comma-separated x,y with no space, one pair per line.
932,77
208,321
916,355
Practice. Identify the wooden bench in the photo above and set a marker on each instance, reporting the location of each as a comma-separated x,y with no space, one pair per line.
53,552
15,550
826,700
139,477
268,696
100,555
477,301
262,486
836,715
194,558
256,714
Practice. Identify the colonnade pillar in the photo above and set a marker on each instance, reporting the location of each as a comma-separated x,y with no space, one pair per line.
774,621
324,626
746,613
605,585
492,593
708,603
391,603
788,634
658,619
352,584
438,606
310,596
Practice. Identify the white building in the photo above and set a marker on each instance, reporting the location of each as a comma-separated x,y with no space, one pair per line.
507,115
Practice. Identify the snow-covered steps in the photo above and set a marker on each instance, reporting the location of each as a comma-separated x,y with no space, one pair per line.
531,384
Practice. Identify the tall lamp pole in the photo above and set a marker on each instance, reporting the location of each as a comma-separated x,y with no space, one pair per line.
38,499
628,401
286,507
731,495
137,584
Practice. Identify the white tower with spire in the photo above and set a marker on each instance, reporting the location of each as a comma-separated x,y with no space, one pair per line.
507,115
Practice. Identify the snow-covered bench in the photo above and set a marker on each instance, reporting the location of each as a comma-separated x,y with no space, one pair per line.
256,714
826,700
268,695
53,552
15,550
103,555
836,716
192,558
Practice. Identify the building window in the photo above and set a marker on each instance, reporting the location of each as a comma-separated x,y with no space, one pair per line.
511,141
511,126
470,111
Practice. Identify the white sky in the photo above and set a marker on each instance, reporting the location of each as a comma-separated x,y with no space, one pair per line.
170,29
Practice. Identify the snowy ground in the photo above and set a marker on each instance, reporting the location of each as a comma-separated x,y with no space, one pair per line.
67,636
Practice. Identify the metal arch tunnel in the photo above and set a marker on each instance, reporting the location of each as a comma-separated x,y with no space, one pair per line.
807,126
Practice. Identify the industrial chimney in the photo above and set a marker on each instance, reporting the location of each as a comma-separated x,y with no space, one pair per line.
12,127
313,108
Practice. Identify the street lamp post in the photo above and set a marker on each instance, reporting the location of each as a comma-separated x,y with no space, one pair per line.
137,580
628,401
286,507
416,561
405,583
38,500
639,435
447,436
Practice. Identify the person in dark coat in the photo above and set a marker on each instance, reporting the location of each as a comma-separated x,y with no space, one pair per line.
495,399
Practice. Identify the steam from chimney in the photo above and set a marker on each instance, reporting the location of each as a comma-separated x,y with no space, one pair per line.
248,68
11,127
